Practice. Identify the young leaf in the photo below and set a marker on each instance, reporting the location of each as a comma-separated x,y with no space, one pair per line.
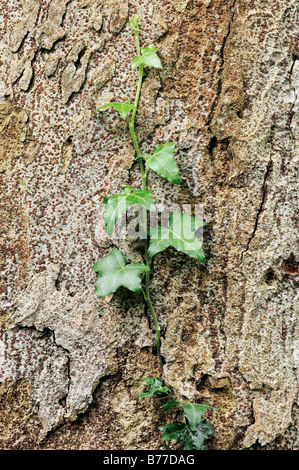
113,273
169,405
118,204
194,413
155,387
124,109
180,234
133,23
162,162
148,57
184,435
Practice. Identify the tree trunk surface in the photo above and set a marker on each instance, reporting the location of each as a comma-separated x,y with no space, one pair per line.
71,363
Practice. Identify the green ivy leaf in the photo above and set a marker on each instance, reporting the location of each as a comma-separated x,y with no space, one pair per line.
133,23
180,234
172,431
124,109
194,412
147,57
184,435
113,273
155,387
169,405
195,439
118,204
162,162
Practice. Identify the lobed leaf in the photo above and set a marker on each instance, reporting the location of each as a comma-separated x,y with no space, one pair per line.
155,387
169,405
113,273
172,431
118,204
180,234
124,109
190,439
147,57
194,439
194,412
163,163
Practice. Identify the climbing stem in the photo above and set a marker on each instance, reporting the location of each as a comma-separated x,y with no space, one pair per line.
132,126
146,293
155,320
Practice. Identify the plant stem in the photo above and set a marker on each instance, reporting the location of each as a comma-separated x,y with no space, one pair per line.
147,299
132,127
146,294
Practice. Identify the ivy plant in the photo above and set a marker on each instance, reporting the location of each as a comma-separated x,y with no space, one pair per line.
193,430
114,272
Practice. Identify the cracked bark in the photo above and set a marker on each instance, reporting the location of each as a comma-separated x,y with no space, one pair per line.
261,207
221,54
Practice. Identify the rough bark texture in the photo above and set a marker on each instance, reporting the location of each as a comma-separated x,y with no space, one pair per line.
70,363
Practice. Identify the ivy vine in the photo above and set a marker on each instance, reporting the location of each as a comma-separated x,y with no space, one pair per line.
191,430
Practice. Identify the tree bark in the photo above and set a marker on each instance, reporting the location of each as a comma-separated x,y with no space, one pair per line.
70,363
